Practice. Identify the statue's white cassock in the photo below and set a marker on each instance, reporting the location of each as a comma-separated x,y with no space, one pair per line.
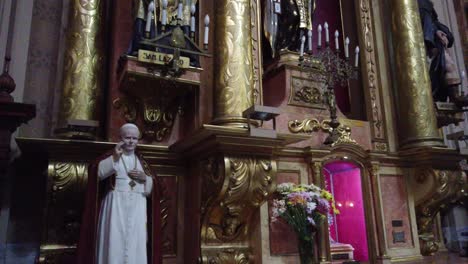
122,232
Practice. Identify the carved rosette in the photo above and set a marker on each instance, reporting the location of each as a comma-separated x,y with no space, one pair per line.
82,74
233,190
440,187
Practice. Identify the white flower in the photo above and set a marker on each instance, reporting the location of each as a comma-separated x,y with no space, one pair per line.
311,207
285,188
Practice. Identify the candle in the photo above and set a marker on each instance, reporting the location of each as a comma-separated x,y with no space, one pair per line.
337,44
346,48
309,40
192,19
356,58
327,35
180,11
319,42
149,17
164,13
303,39
207,29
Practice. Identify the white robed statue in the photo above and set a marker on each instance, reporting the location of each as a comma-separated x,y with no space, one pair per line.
122,234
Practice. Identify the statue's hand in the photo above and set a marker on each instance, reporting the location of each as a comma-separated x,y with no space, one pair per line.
118,151
137,175
442,37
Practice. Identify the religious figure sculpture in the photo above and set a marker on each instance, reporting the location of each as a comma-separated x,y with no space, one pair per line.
115,226
152,18
285,22
144,25
438,39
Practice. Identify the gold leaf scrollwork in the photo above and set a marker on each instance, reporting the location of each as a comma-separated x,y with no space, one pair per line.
308,95
344,137
308,125
127,108
84,55
234,79
381,146
159,119
66,181
227,256
65,176
371,71
307,92
236,187
444,187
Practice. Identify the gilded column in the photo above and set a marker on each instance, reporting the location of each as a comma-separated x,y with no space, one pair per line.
82,74
234,83
418,125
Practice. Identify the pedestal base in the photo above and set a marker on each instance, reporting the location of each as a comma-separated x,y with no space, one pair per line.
341,252
79,129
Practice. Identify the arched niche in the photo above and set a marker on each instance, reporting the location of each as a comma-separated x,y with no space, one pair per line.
347,165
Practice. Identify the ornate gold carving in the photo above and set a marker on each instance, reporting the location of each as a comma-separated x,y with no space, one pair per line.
256,52
66,182
233,189
307,92
344,136
159,119
308,95
441,187
365,20
127,108
234,76
380,146
227,256
308,125
158,115
82,75
417,115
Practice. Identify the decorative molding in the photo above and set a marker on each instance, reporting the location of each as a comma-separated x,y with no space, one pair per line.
256,36
342,135
307,92
309,125
370,74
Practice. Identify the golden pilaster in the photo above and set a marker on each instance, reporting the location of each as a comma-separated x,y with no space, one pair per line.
324,253
234,187
233,63
418,125
82,74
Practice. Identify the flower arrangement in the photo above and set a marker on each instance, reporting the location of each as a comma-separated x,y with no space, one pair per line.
303,207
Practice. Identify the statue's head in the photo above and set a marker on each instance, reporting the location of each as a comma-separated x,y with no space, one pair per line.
129,134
